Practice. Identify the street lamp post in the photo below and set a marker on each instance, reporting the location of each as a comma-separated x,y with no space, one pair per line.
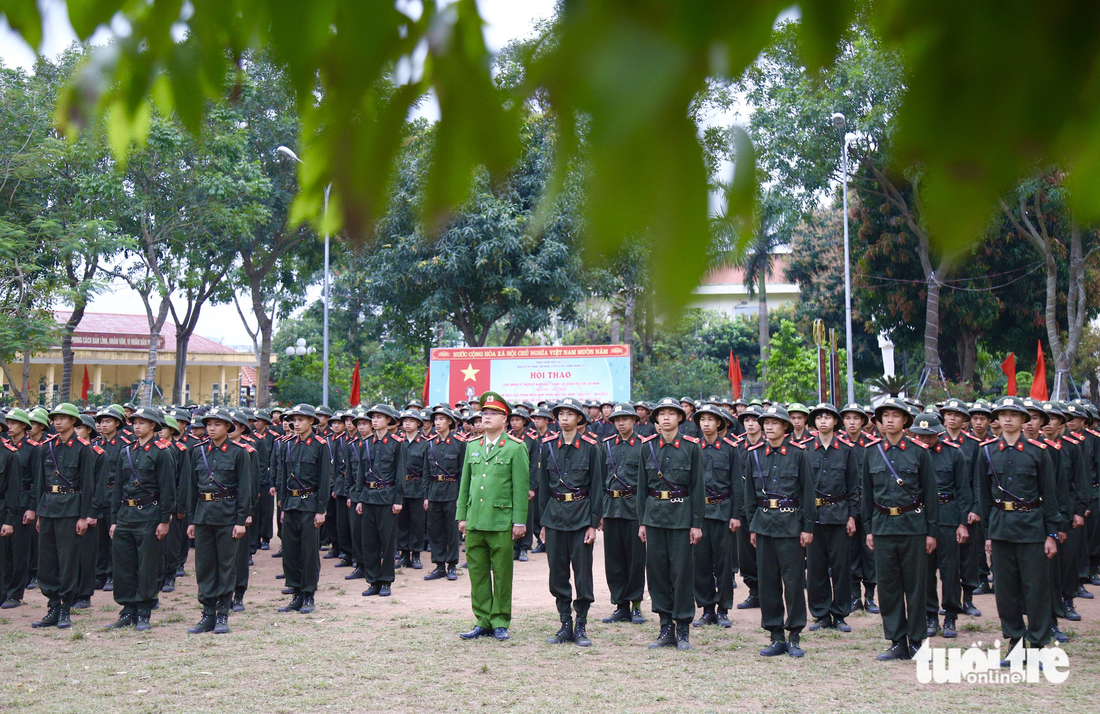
839,122
324,363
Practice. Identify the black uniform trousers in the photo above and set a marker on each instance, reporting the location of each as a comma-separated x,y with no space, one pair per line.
343,528
670,569
978,537
746,560
623,561
355,525
379,532
972,558
244,552
525,541
328,529
1056,566
443,531
713,579
862,561
1090,548
103,550
781,564
301,556
829,568
89,550
33,567
175,546
903,592
1065,584
215,566
1023,588
565,550
410,525
944,558
263,516
59,560
17,549
138,554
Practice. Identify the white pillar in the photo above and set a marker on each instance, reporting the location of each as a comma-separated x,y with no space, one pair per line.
887,348
98,380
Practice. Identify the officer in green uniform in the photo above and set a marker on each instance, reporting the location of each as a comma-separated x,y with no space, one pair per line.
835,470
780,509
670,517
721,517
143,504
65,491
1019,505
304,485
624,552
570,488
902,506
955,496
446,452
410,522
492,512
18,545
381,483
217,497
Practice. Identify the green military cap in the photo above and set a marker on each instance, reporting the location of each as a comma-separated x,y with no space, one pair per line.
526,405
546,414
414,404
240,417
824,408
323,410
756,403
853,408
1010,404
1035,405
447,412
181,415
385,410
40,415
623,410
896,404
689,400
472,417
276,410
573,405
799,408
20,416
642,405
171,423
359,414
3,422
670,403
956,405
412,414
713,410
591,403
606,403
927,423
740,402
219,413
149,414
65,409
306,410
728,416
493,400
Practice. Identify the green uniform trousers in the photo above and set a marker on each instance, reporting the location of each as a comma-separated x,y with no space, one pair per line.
944,558
301,552
670,570
781,563
58,560
713,576
902,567
215,566
829,571
137,555
1023,588
565,550
623,561
378,530
489,559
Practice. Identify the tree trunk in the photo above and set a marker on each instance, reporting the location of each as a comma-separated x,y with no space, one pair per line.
762,319
649,320
26,379
148,387
79,305
629,306
1076,309
183,338
932,330
614,330
968,355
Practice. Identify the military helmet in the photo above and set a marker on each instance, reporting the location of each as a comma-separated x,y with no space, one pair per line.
149,414
573,405
897,404
927,423
623,410
1010,404
306,410
669,403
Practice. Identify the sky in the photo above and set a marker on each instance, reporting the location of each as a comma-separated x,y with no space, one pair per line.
505,21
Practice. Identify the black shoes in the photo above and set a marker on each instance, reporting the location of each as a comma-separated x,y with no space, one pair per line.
1081,592
540,547
416,564
724,619
143,624
33,583
969,609
64,622
580,636
985,588
1058,635
109,585
776,648
308,605
750,602
621,614
667,638
355,574
169,585
221,624
436,574
478,631
206,624
857,604
897,650
295,605
501,633
345,563
10,604
708,618
238,604
82,603
821,623
682,630
452,574
522,557
1071,612
793,648
563,635
636,617
331,555
840,624
373,590
126,619
287,591
1094,579
277,554
933,626
871,607
949,630
265,545
384,591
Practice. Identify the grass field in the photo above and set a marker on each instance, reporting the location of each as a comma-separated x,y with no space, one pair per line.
402,654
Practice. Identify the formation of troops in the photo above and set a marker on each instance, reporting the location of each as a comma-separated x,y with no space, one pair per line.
901,510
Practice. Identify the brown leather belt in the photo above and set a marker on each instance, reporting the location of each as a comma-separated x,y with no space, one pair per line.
1009,506
668,495
899,510
621,493
570,496
777,503
217,495
830,500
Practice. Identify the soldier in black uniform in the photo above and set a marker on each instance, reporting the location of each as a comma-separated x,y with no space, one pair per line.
18,545
342,445
519,426
780,508
1062,464
411,520
749,418
175,544
218,489
570,488
1019,505
835,469
955,495
688,425
240,436
624,552
263,440
446,451
142,504
381,484
89,542
902,507
644,427
543,425
357,455
721,519
862,560
955,415
304,486
108,423
11,490
670,514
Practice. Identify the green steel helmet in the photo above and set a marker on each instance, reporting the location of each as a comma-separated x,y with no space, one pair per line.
824,408
1053,409
65,409
713,410
1036,405
111,412
88,421
385,410
40,416
669,403
323,410
19,415
412,414
219,413
753,410
622,410
854,408
896,404
575,405
241,418
171,423
306,410
798,408
956,405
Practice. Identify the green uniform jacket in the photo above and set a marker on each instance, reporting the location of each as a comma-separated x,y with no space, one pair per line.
147,471
416,463
11,485
835,473
262,444
675,465
66,465
779,473
623,464
381,477
1020,471
306,464
722,482
253,470
953,483
492,491
444,463
572,468
913,465
114,448
217,469
30,466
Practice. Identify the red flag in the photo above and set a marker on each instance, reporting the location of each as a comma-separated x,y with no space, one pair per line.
1009,368
735,377
424,391
354,399
85,385
1039,384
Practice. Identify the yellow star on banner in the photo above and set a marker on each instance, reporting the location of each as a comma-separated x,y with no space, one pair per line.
469,374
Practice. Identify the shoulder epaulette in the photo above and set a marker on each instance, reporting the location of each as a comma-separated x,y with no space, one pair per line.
797,444
729,441
589,438
872,440
10,447
181,447
248,447
160,443
548,438
1071,439
968,435
609,438
433,437
84,441
515,439
98,450
951,443
692,439
1038,443
651,437
916,442
49,437
1093,432
842,439
124,439
32,442
757,445
321,439
989,441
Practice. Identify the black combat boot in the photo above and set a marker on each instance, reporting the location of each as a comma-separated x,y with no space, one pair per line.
667,638
126,618
682,630
580,636
206,624
621,614
295,605
50,620
63,620
308,605
221,624
143,624
563,635
793,645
